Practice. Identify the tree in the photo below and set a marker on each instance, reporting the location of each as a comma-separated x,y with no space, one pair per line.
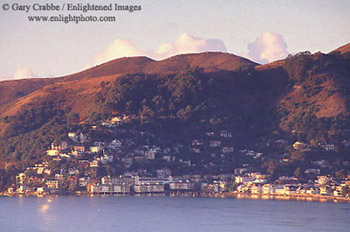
185,114
298,173
72,118
298,156
95,117
272,167
146,114
298,65
340,173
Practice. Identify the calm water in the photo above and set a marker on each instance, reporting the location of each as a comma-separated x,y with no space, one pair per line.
169,214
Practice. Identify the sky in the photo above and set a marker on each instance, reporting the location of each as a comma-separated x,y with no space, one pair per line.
260,30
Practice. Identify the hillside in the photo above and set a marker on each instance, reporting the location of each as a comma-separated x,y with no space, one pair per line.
305,96
320,92
11,91
343,49
76,91
209,61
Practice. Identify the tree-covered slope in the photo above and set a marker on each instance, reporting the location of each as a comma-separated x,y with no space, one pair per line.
304,96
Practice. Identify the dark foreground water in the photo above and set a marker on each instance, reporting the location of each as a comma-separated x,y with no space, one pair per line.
169,214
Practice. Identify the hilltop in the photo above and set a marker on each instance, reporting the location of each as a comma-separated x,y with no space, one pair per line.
343,49
209,61
77,89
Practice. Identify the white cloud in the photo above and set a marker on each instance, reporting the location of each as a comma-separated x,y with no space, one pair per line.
20,73
185,43
267,48
119,48
23,72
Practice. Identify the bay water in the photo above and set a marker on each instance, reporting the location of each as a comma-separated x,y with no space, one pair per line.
170,214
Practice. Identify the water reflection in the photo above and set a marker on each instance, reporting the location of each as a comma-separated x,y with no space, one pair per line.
171,214
48,217
44,208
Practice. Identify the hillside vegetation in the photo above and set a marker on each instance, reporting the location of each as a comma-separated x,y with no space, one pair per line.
305,96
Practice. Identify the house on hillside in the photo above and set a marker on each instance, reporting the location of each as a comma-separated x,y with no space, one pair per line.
225,134
227,149
115,144
197,142
63,145
299,145
215,143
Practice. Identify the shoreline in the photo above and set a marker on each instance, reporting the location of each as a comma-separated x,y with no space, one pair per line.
249,196
293,197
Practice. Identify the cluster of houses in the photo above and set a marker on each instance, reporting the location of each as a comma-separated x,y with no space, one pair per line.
129,147
124,149
163,183
298,145
140,185
255,183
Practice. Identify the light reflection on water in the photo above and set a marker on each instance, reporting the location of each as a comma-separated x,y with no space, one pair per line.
172,214
48,217
44,208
